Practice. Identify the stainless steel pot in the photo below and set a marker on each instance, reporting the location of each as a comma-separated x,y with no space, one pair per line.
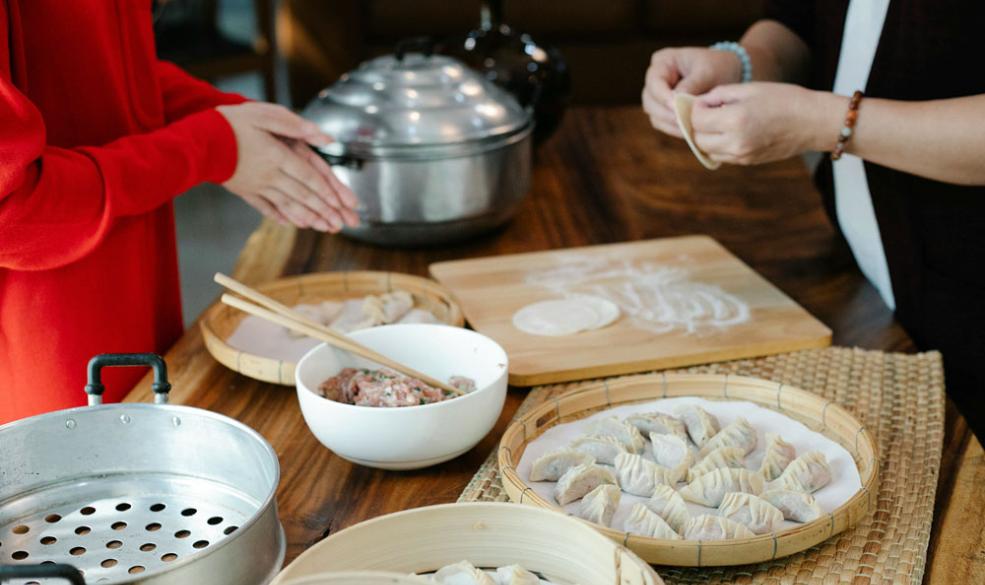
137,493
433,151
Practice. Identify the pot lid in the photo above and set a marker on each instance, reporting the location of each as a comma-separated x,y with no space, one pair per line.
414,101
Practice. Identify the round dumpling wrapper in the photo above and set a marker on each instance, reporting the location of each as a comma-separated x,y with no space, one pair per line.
566,316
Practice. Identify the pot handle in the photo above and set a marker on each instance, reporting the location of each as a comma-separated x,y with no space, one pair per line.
95,388
339,160
53,571
424,45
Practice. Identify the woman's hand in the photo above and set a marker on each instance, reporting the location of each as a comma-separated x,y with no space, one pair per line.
279,175
685,70
755,123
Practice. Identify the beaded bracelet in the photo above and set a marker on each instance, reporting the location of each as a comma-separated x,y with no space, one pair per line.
741,53
849,128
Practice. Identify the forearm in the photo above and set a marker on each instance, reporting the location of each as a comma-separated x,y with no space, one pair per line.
776,52
941,140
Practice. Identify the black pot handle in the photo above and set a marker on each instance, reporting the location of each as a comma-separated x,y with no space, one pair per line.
52,571
95,388
339,160
423,45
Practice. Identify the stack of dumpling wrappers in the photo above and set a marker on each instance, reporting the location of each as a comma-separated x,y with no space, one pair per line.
671,460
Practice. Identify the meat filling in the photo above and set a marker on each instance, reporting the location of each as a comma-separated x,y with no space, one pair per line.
364,387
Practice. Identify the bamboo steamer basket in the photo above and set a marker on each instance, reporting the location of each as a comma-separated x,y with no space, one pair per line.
817,413
220,320
559,548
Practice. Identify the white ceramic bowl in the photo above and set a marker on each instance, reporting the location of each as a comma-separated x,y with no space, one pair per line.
407,437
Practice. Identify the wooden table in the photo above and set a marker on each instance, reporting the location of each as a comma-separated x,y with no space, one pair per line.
605,177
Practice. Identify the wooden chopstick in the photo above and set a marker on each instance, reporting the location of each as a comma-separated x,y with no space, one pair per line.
275,312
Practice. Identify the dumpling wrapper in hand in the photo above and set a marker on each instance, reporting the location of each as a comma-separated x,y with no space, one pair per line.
683,105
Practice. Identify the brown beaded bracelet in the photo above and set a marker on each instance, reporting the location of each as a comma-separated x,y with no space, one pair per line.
849,128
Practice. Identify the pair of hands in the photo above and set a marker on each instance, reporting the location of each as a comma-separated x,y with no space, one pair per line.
279,175
737,123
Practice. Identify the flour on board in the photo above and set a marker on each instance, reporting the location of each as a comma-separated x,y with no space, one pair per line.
657,298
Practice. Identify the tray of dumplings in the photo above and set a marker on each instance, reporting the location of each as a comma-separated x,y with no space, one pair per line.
695,470
344,301
468,544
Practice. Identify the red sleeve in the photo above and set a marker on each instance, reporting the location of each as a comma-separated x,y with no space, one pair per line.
184,94
57,204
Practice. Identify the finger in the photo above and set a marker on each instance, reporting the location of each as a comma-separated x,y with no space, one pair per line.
324,217
661,117
265,208
295,211
725,94
660,79
715,143
714,120
344,199
297,165
283,122
729,159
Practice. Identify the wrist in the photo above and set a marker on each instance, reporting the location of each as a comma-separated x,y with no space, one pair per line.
740,57
827,115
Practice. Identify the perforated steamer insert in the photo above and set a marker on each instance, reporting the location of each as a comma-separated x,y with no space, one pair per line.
138,493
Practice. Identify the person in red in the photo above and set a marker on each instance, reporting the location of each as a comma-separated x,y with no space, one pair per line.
97,136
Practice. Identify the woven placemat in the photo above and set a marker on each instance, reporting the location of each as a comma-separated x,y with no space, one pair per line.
900,398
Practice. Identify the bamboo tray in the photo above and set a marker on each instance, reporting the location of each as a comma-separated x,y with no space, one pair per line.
817,413
422,540
220,320
361,578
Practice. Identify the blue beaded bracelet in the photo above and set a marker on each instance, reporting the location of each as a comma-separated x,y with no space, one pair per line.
740,52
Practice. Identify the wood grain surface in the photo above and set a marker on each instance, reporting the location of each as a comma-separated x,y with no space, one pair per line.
605,177
490,290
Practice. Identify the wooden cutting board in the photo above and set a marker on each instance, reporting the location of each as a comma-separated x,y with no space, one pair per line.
684,301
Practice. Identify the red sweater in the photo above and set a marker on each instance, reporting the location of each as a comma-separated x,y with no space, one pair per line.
96,138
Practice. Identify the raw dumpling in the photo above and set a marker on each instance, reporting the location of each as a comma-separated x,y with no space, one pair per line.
623,431
551,467
669,505
710,488
708,527
717,459
352,317
794,505
600,504
639,476
419,316
753,512
462,573
701,425
579,480
807,473
671,451
389,307
778,456
644,522
515,575
738,434
659,423
603,449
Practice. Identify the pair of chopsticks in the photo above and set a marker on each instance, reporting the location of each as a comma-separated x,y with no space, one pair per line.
267,308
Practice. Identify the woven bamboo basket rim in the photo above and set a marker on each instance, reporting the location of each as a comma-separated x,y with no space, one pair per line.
221,320
487,534
817,413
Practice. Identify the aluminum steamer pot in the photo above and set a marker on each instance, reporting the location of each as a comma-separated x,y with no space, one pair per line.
434,152
137,493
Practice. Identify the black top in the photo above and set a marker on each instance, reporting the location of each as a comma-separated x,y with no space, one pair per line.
933,233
